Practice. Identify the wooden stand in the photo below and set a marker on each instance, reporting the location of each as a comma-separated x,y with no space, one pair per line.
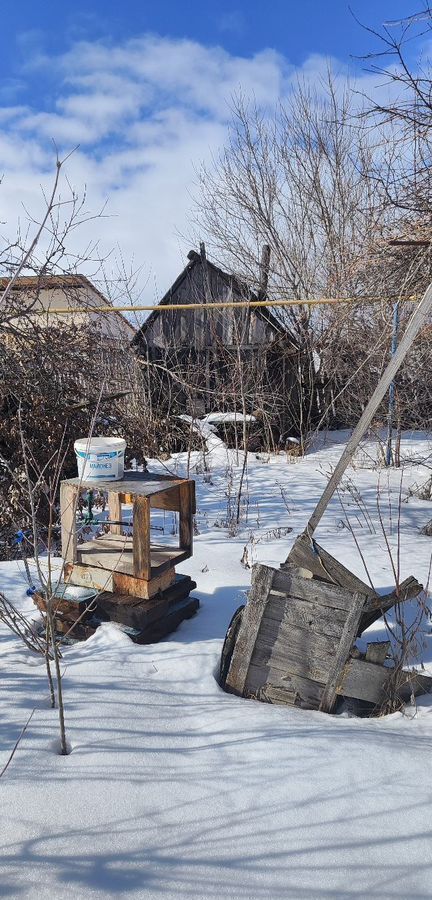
134,564
135,577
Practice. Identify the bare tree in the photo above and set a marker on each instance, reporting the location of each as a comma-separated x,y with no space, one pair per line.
299,181
405,107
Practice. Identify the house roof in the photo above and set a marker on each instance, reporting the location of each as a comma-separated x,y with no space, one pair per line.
62,282
47,281
232,281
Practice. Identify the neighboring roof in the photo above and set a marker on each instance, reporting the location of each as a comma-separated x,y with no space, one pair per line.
61,282
48,281
230,280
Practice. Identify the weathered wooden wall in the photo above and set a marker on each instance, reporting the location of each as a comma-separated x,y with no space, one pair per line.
208,348
203,329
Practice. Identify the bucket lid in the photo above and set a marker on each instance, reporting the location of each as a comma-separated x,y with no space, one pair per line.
66,591
98,444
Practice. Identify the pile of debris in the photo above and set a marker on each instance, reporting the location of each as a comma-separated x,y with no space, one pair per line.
294,641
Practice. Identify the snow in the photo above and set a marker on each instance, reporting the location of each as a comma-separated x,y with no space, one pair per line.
221,418
174,789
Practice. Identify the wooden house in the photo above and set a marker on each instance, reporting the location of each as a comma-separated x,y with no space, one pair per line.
32,306
34,299
209,359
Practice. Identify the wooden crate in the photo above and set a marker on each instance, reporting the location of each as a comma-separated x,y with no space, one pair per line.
295,640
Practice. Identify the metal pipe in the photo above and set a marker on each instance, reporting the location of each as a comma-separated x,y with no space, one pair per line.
215,304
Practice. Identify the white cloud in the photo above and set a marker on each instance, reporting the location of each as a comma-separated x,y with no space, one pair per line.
145,113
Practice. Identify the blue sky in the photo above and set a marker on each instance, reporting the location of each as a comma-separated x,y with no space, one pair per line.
144,89
295,28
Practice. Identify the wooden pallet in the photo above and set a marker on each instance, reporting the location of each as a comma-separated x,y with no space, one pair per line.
146,621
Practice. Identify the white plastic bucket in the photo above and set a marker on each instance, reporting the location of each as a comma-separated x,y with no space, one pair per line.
100,458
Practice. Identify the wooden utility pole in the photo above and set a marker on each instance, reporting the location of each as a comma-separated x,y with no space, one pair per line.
414,325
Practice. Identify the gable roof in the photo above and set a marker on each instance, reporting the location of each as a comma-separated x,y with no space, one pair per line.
63,282
232,281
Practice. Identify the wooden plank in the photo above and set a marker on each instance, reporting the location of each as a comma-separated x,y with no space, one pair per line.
110,552
415,323
306,693
348,636
294,638
325,567
278,694
68,505
320,592
414,683
164,626
104,580
377,606
114,511
364,681
294,652
316,618
169,500
408,589
377,652
134,483
130,611
115,553
262,578
186,516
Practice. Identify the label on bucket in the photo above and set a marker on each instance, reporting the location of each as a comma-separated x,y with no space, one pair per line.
104,465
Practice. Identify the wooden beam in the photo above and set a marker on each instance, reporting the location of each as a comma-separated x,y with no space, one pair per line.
364,681
376,607
186,506
407,590
414,683
310,555
348,636
141,538
68,506
262,578
105,580
114,511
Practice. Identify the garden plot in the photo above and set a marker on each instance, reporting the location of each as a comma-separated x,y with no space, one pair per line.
174,788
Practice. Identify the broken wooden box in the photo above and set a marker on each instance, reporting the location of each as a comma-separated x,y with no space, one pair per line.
294,641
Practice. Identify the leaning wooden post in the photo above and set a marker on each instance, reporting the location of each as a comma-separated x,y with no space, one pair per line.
415,323
392,388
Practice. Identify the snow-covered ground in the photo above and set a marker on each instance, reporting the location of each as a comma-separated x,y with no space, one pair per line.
174,789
